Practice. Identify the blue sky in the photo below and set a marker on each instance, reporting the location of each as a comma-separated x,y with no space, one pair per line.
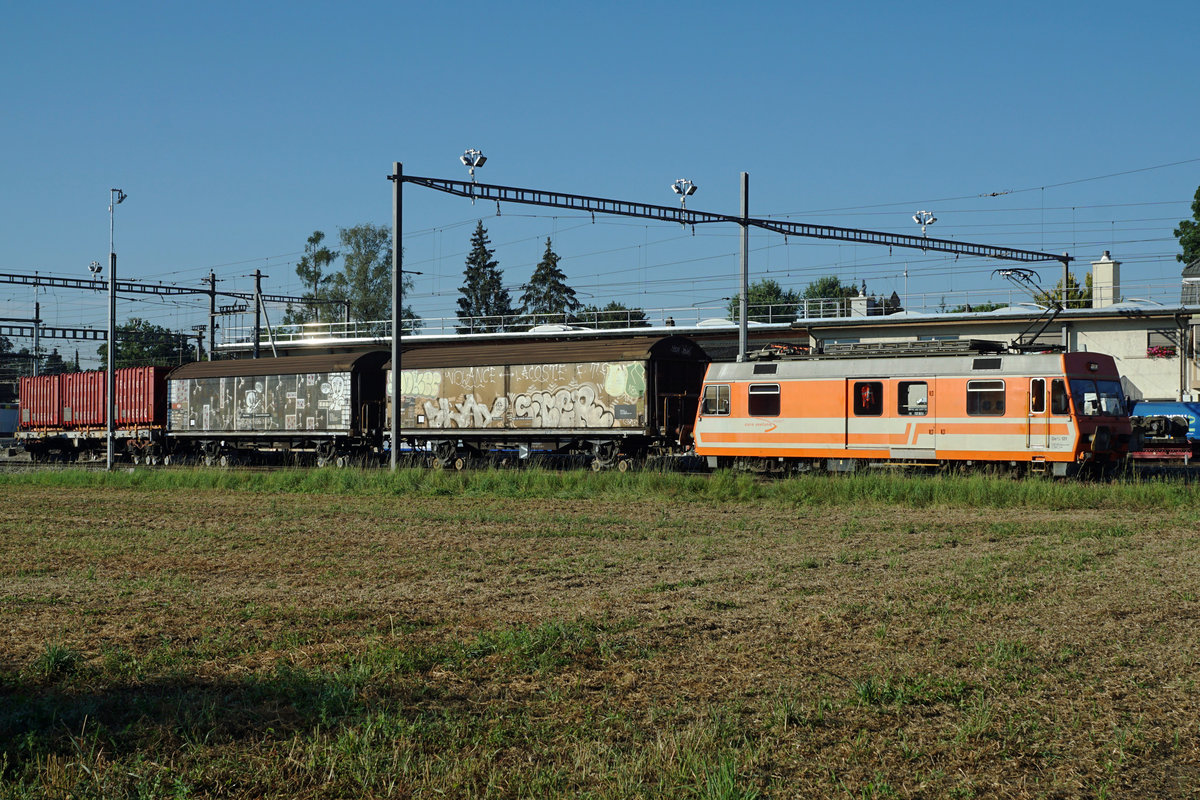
239,128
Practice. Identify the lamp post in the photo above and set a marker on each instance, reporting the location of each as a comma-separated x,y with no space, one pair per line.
115,198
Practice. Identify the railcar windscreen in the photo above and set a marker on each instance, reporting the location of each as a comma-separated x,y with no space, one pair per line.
1097,398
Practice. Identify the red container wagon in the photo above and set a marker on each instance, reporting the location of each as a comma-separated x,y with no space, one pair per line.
68,414
40,402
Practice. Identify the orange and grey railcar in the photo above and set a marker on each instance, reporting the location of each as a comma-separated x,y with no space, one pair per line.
1054,413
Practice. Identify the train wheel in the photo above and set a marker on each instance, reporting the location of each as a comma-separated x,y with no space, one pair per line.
459,464
342,462
227,460
624,465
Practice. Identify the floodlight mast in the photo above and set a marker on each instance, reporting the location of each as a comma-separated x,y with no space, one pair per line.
115,198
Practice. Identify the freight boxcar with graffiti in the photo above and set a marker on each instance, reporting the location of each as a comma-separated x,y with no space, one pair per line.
613,400
328,407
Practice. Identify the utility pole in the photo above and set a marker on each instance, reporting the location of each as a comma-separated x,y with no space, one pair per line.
258,276
744,300
397,178
212,312
37,333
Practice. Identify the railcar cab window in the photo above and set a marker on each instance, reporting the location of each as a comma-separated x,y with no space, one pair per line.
912,398
868,398
985,398
1058,397
716,399
764,400
1097,398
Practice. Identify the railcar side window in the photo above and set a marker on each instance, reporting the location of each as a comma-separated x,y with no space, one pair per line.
868,398
985,398
912,398
716,399
1058,397
764,400
1037,395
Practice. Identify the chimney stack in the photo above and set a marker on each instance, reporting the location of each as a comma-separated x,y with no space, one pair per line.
1106,281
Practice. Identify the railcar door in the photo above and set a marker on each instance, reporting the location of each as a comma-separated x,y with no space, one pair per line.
1037,429
915,408
865,423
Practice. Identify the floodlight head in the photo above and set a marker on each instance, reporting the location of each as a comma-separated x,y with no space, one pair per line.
120,196
480,159
684,187
467,162
95,267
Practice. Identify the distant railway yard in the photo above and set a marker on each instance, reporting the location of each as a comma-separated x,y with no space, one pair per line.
318,633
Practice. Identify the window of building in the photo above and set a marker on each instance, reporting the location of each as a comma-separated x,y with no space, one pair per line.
868,398
716,399
985,398
912,398
764,400
1037,396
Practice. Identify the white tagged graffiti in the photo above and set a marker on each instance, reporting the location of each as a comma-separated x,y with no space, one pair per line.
468,414
565,408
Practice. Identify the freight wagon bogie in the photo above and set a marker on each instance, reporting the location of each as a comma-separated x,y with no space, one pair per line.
1055,414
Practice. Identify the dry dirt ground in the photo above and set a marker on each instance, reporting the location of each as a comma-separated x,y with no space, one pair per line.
702,649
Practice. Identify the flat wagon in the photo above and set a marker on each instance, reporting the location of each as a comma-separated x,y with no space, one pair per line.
65,417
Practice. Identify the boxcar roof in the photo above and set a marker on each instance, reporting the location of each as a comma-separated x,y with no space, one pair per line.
489,353
286,365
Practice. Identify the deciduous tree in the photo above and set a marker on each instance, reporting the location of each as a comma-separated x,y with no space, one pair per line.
766,301
613,315
312,270
1189,234
144,344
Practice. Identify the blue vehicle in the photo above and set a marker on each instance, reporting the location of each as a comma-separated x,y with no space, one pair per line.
1166,430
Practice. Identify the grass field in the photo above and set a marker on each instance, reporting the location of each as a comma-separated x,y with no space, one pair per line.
536,634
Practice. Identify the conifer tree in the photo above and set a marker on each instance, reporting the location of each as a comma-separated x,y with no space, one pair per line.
485,305
547,297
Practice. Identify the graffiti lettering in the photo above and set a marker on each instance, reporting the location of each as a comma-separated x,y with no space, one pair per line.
470,413
565,408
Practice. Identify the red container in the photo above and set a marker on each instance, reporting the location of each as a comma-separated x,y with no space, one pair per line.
40,402
141,396
83,400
